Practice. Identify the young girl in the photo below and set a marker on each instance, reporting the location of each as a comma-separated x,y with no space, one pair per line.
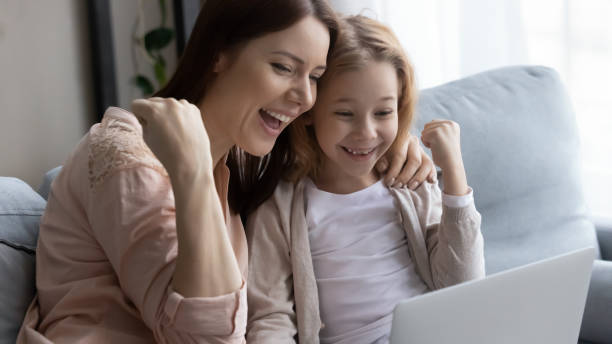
334,249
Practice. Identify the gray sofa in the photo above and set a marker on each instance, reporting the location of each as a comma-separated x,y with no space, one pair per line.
520,146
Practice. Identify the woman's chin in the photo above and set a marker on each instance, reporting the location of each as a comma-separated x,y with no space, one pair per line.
259,150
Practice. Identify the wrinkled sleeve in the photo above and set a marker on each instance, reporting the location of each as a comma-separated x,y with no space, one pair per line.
272,317
453,237
132,216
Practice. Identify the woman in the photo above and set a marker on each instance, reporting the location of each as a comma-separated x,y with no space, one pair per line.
139,241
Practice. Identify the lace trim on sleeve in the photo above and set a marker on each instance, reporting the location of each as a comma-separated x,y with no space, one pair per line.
115,145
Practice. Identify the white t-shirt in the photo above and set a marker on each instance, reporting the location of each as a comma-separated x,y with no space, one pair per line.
361,261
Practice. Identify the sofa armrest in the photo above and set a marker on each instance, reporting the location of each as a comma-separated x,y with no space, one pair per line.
597,319
604,236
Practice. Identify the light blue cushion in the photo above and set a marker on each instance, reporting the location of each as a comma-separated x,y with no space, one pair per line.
45,187
20,211
520,146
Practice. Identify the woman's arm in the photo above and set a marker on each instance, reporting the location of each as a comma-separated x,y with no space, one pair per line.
206,265
132,216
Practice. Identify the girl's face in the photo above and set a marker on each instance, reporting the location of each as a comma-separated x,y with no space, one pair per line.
266,84
355,121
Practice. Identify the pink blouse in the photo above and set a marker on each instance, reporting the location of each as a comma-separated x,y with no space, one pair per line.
107,249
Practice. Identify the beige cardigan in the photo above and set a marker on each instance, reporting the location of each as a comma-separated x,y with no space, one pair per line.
445,244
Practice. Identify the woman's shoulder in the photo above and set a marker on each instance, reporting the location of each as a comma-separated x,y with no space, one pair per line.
117,143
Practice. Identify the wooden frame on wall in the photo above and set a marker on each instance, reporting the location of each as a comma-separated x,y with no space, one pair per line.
103,52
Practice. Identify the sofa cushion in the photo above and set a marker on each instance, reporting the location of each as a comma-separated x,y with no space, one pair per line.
521,152
20,211
45,186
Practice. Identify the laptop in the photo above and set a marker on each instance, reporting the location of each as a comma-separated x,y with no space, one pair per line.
542,302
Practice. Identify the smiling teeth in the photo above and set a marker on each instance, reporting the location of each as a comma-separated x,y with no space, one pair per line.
278,116
355,152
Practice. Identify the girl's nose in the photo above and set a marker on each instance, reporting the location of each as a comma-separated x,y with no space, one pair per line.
367,128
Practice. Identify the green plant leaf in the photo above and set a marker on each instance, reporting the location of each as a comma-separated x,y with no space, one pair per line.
160,70
158,38
143,83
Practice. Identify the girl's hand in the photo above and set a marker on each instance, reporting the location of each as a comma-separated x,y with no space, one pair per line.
415,165
443,138
174,131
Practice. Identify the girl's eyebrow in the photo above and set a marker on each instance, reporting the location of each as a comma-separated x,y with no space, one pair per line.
349,99
295,58
345,100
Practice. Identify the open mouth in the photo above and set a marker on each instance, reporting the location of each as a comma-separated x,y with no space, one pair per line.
359,154
273,119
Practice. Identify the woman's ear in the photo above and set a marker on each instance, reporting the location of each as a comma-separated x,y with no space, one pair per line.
307,118
221,62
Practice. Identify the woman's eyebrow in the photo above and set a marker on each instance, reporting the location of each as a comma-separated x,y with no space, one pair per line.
295,58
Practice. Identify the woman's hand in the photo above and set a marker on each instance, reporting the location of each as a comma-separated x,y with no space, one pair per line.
415,165
443,138
174,131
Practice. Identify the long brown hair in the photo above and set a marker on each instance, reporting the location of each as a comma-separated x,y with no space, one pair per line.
222,25
361,40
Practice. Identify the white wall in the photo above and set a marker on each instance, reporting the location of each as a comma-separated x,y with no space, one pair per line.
46,87
123,20
370,8
46,99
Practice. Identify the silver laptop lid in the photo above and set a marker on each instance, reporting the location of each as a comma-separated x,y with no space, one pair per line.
542,302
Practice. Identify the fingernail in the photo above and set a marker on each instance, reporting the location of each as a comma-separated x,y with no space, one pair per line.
414,185
399,185
390,183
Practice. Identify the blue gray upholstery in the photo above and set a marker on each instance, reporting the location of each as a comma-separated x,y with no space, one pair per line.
20,211
45,187
521,151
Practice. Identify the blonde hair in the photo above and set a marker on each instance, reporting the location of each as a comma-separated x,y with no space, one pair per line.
361,40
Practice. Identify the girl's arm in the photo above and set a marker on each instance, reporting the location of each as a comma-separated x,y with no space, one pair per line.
452,237
454,240
272,317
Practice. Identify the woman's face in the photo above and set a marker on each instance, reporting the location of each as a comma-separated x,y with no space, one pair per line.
266,84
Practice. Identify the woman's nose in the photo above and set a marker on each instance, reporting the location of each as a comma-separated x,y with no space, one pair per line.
302,93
